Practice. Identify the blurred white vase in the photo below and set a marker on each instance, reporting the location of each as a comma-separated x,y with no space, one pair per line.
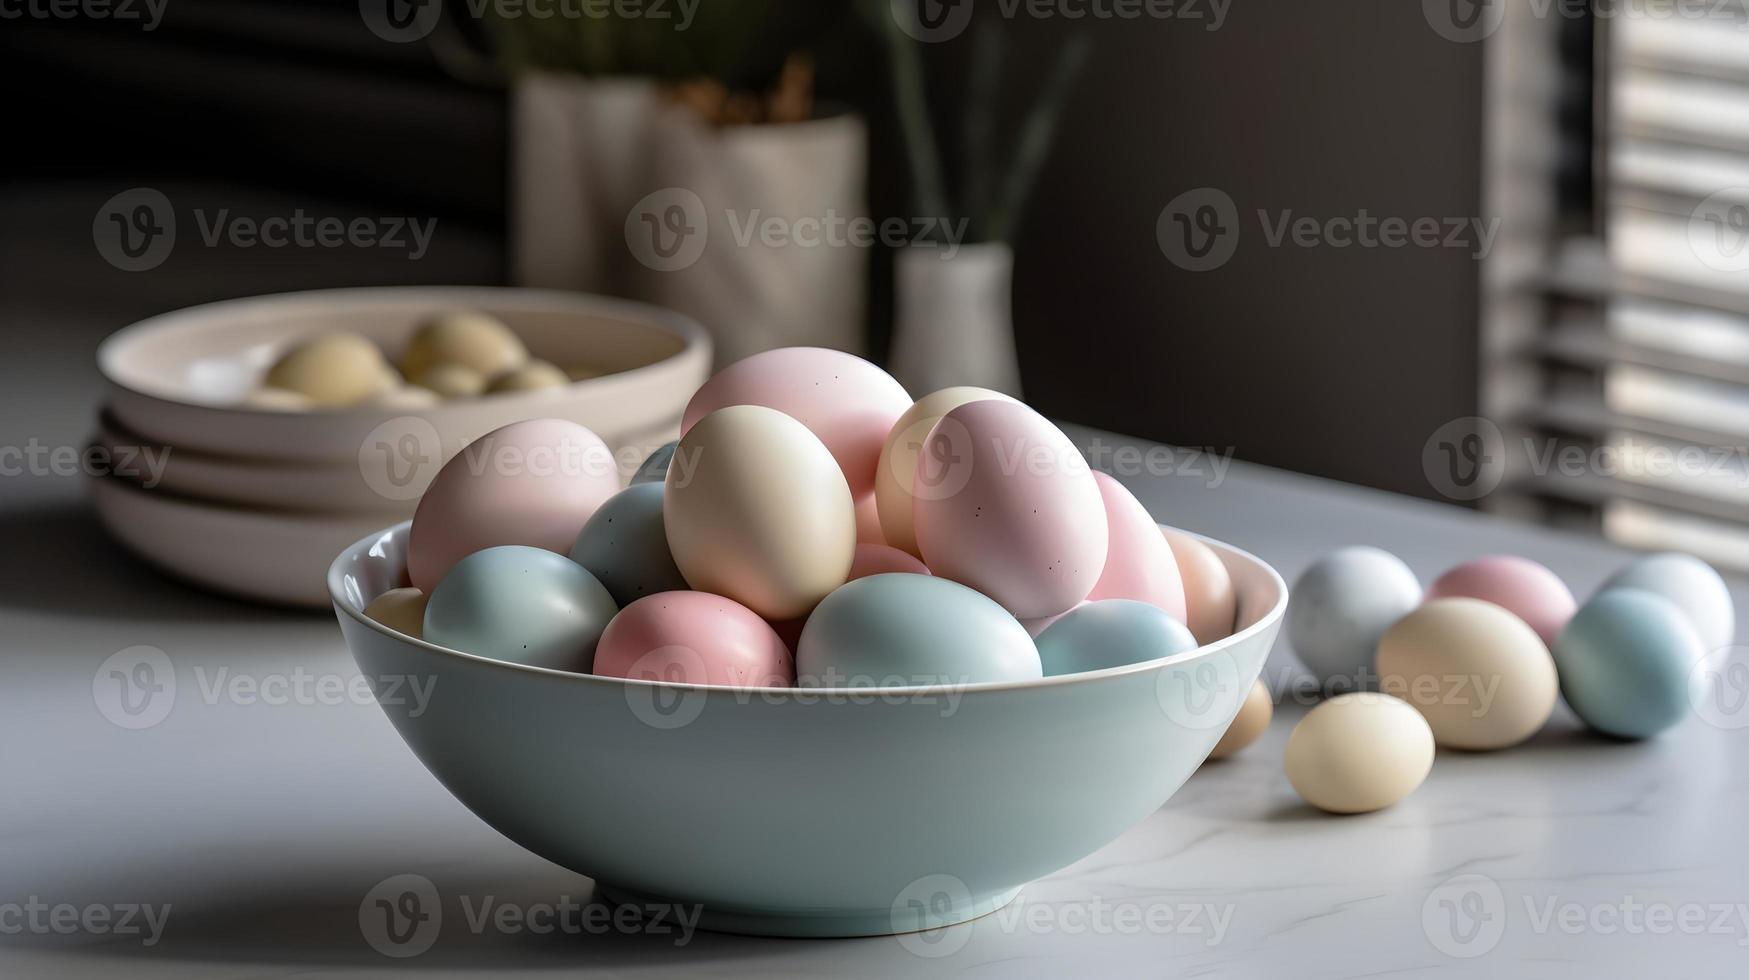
954,322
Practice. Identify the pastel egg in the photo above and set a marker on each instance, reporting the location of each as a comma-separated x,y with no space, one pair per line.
530,376
1521,586
454,381
521,605
878,559
531,483
1625,661
463,338
1211,605
654,468
1479,674
333,370
901,630
694,638
1139,563
1249,724
868,521
402,610
1111,633
1005,504
1695,589
847,403
1036,626
1340,607
625,546
764,516
1359,752
898,464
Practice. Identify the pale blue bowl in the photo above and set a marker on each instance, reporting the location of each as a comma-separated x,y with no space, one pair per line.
808,812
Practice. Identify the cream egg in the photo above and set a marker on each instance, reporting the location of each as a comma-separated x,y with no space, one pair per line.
454,381
332,371
532,376
463,338
1480,675
402,610
898,461
1359,752
1249,724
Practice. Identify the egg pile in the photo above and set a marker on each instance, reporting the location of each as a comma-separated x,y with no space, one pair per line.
458,354
814,526
1478,660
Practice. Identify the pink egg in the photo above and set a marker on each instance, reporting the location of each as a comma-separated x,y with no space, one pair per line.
848,403
876,559
531,483
868,521
694,638
1036,626
1211,605
1005,504
1520,586
1139,564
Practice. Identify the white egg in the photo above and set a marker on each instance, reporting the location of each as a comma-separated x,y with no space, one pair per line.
1693,586
1340,607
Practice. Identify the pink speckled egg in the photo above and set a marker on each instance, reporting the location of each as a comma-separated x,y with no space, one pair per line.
1520,586
693,638
1139,564
848,403
1211,605
878,559
530,483
1005,504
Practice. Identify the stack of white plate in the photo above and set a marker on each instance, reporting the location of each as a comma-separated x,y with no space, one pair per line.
257,503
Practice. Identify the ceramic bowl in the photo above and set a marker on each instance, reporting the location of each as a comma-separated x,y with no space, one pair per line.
803,812
176,379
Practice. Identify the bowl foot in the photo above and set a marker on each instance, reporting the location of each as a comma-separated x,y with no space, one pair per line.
814,924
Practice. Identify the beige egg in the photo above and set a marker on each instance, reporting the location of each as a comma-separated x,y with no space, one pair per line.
1250,723
477,341
532,376
1479,674
764,516
1356,753
898,466
333,370
1209,599
454,381
402,610
278,400
407,396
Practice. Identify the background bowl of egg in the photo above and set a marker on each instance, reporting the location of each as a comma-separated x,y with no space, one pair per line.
810,811
255,499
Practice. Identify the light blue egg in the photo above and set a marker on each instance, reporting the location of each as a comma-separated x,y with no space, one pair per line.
1624,662
624,545
522,605
654,468
1110,633
900,630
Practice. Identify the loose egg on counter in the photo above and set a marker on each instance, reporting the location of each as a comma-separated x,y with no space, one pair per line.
897,471
531,483
694,638
1359,752
1139,564
1625,662
333,371
764,515
878,559
1111,633
1479,674
1695,589
1211,604
1005,504
476,341
1249,724
902,630
532,376
625,545
520,605
402,610
1340,607
1521,586
454,381
654,468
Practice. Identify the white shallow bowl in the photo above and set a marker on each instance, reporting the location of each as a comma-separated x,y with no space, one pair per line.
176,379
808,812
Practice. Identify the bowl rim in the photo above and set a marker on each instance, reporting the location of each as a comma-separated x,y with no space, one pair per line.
118,344
1267,621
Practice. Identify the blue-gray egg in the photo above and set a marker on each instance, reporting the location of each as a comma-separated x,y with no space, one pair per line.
902,629
1110,633
522,605
1339,609
1693,586
654,468
624,545
1625,660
